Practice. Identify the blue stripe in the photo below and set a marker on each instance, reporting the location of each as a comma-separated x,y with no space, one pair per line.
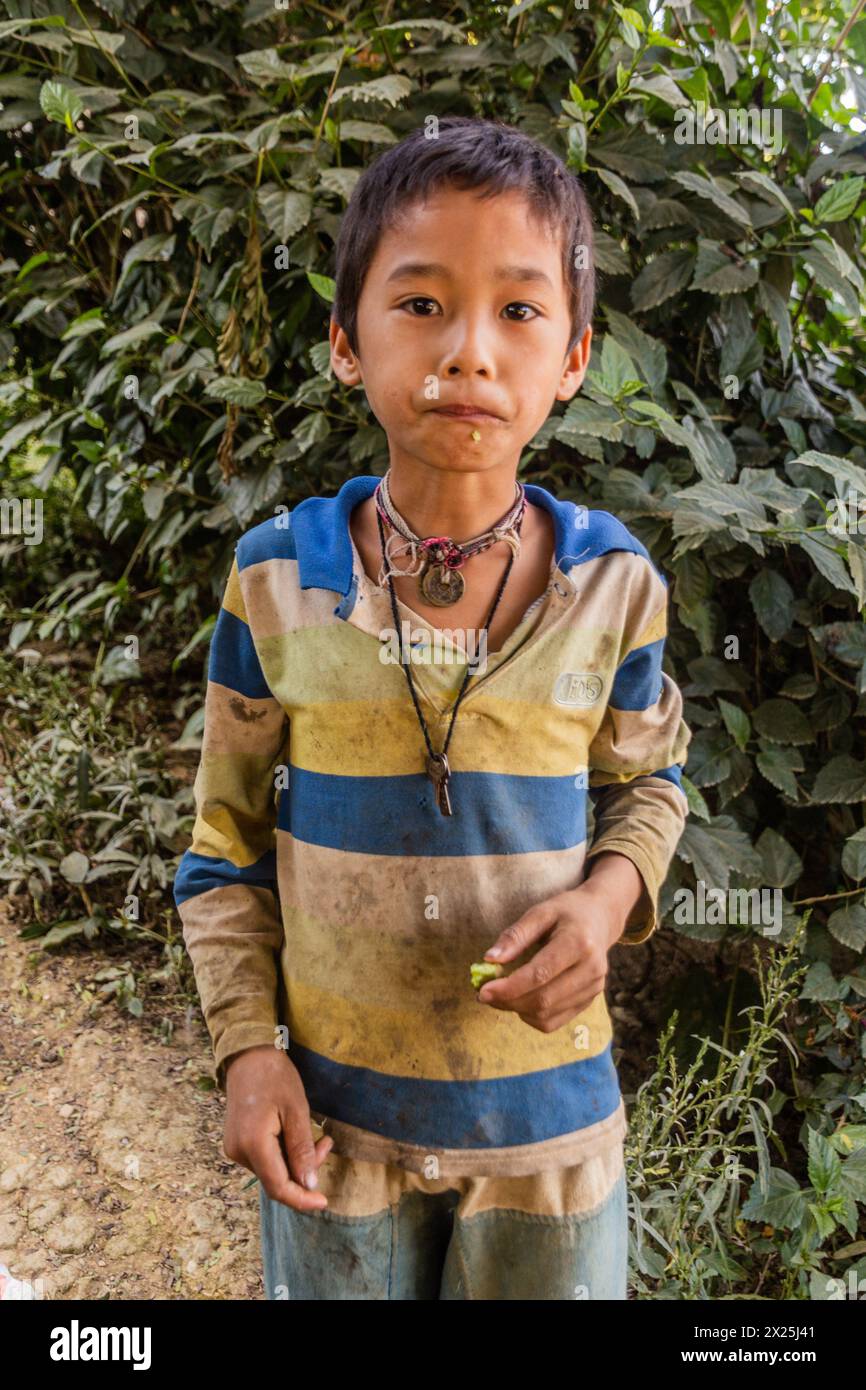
670,774
462,1114
233,660
638,682
493,813
198,873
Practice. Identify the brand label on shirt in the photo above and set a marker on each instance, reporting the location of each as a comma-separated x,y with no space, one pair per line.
577,688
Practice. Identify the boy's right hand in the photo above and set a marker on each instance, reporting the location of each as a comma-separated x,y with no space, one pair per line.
266,1104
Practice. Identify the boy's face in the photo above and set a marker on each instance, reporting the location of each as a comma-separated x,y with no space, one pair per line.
447,316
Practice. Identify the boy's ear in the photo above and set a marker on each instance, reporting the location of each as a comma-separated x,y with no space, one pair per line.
574,367
346,365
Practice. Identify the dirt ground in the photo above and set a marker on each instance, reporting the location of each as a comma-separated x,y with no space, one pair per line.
113,1182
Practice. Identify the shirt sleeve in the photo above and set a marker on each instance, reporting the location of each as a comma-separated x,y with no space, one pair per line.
225,888
636,756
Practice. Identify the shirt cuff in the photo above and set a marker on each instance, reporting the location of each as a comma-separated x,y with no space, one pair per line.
642,929
237,1038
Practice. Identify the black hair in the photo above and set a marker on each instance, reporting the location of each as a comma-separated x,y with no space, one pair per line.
467,152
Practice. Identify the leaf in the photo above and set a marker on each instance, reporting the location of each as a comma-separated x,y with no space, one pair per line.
617,368
848,925
609,255
821,985
647,353
829,277
714,850
583,416
775,765
138,333
285,211
264,65
854,855
710,188
780,721
762,183
74,866
773,601
323,285
662,277
662,86
60,103
843,780
777,311
736,722
236,390
782,865
828,562
23,430
852,1179
619,187
150,248
716,273
783,1204
370,131
840,200
824,1165
390,89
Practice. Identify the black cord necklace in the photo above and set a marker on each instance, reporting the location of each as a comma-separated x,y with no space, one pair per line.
438,769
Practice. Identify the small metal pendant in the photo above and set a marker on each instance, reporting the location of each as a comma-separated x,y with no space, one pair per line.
442,586
439,772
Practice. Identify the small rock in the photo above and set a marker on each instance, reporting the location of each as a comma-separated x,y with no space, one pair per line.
72,1234
9,1227
205,1215
16,1175
60,1177
44,1212
66,1110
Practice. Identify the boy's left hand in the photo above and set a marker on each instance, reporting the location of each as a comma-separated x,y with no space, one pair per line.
569,971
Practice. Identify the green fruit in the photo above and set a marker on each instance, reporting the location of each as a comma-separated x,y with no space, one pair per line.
484,971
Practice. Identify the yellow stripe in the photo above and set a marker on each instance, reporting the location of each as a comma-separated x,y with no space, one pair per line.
655,629
436,1047
233,599
384,739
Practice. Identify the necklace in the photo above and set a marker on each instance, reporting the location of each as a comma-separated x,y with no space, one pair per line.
441,559
438,767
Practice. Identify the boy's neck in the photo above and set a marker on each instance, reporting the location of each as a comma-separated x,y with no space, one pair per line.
448,503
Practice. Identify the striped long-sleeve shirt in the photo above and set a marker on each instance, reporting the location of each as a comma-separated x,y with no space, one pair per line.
325,898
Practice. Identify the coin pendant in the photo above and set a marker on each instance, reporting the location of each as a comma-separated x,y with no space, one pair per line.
442,586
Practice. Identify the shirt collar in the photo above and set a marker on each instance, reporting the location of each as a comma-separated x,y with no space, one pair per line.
320,527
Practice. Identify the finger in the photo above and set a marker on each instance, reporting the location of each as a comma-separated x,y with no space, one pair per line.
300,1151
557,955
268,1163
573,990
514,940
322,1148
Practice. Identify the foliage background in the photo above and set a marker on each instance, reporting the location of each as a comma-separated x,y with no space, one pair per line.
171,184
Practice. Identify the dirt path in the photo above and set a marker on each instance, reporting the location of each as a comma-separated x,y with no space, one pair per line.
113,1182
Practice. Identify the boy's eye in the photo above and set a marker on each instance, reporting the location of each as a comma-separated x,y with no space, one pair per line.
418,299
519,305
423,299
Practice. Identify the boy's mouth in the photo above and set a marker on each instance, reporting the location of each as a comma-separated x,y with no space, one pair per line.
465,412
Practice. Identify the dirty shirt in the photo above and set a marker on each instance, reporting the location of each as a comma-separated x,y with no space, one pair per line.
328,906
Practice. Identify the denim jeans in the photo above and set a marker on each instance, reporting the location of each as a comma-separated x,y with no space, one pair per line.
389,1234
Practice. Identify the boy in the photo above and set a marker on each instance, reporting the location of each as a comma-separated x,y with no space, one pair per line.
431,815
